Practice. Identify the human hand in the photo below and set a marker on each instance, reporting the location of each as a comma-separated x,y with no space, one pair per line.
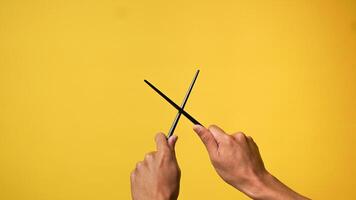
235,157
157,177
237,160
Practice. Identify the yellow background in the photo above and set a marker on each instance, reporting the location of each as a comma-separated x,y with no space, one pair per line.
75,114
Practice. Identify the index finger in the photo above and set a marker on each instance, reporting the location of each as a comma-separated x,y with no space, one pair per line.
161,142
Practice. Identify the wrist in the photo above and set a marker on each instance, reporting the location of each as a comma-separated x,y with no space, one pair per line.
268,187
257,186
265,187
260,187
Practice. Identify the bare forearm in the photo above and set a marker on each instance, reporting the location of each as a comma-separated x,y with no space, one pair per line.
236,158
269,187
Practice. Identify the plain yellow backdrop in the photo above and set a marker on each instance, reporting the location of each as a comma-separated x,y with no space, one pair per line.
75,114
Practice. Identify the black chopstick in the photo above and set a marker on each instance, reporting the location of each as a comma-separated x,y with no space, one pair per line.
194,121
176,119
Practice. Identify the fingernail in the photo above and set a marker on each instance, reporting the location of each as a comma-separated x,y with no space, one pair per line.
197,128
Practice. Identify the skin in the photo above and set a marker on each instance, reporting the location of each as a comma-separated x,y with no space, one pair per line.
157,177
238,162
235,157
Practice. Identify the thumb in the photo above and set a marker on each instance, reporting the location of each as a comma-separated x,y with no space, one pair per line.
172,142
207,138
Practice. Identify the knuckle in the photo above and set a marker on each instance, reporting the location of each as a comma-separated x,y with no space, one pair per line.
212,126
240,136
149,156
139,165
159,135
133,175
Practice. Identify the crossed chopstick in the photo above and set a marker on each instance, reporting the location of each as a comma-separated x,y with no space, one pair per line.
179,108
